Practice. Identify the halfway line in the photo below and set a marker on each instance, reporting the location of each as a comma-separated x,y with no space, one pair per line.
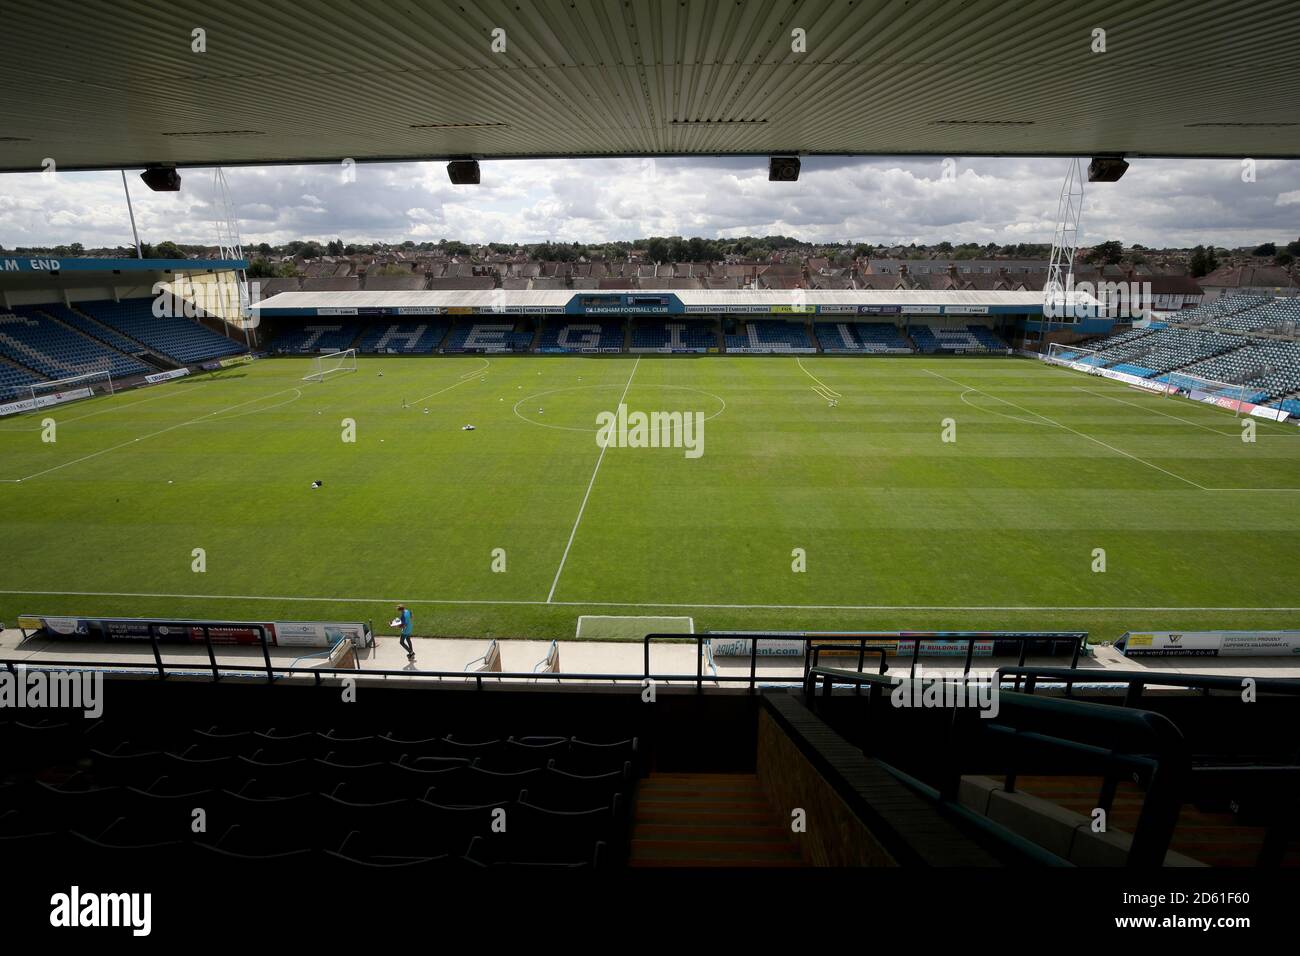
603,448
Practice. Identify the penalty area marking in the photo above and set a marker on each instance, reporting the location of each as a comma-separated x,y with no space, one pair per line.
1073,431
610,626
105,410
721,607
1179,418
161,431
467,377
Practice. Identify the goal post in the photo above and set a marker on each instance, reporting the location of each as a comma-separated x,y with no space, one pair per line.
71,385
1230,395
332,363
1077,357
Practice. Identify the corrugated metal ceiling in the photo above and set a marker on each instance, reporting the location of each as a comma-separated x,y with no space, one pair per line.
109,83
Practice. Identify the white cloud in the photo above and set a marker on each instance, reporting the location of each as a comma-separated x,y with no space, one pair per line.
881,199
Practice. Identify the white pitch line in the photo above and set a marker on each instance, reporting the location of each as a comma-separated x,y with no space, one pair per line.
834,393
467,377
1030,411
1154,411
106,409
161,431
406,599
595,471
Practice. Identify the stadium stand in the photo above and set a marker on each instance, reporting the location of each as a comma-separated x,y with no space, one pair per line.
31,338
182,340
581,336
352,798
88,326
848,337
407,338
1262,371
1228,312
973,338
487,337
692,335
317,336
771,335
13,380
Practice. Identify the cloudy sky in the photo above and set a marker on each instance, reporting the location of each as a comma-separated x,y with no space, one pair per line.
877,200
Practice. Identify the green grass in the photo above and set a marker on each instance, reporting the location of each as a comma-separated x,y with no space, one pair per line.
901,529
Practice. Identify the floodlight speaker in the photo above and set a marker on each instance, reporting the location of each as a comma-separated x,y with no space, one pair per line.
162,179
1106,169
463,172
783,168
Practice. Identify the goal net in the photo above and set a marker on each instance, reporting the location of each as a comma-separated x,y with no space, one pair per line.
26,398
331,363
1077,357
1224,394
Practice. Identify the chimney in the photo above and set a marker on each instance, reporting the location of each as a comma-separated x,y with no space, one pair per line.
952,271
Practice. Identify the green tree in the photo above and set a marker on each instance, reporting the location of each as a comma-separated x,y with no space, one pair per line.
1107,253
260,268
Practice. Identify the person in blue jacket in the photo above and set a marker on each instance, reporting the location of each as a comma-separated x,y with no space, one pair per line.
404,615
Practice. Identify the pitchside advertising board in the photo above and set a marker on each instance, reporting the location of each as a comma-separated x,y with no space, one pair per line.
44,401
164,631
899,644
1209,644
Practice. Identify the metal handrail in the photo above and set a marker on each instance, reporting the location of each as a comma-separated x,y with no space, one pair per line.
228,670
1023,638
1129,739
1138,681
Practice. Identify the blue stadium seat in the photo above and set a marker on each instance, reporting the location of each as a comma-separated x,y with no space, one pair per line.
684,335
598,335
182,340
316,335
488,337
407,338
32,338
771,335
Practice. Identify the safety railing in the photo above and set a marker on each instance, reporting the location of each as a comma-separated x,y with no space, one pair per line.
1119,740
868,643
274,673
1136,682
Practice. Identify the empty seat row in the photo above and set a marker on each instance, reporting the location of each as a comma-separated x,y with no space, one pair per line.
182,340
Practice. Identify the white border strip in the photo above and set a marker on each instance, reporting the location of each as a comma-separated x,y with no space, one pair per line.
737,607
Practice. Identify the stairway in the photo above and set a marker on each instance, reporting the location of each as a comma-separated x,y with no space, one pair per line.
1213,838
708,819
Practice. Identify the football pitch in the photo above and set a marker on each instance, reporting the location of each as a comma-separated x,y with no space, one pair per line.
829,493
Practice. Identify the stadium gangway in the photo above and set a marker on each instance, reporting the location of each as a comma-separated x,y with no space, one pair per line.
273,672
863,640
1119,739
1136,682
